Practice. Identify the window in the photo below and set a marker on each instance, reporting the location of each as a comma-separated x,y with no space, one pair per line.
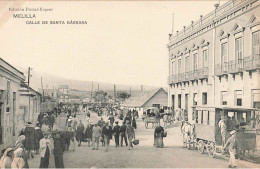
187,64
195,99
205,58
224,98
256,43
195,61
179,66
238,98
238,49
224,54
179,100
204,98
256,99
173,64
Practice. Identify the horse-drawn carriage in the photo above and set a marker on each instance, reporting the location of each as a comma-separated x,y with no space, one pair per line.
152,115
208,134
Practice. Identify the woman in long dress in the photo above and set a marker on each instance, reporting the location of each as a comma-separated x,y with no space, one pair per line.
158,136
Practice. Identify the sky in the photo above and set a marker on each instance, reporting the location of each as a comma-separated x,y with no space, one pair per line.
122,42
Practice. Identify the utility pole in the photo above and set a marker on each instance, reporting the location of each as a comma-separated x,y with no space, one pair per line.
29,75
91,91
42,89
115,93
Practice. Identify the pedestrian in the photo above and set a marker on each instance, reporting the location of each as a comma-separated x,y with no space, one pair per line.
45,147
96,136
40,118
7,158
123,135
116,131
20,144
130,135
30,139
111,119
233,147
39,136
79,132
59,148
107,132
158,136
18,161
88,133
223,129
165,119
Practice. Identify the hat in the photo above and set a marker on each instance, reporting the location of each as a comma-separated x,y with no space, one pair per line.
233,132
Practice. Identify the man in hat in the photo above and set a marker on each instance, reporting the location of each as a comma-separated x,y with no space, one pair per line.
107,132
59,148
116,131
45,150
233,147
79,132
123,135
95,137
30,138
223,129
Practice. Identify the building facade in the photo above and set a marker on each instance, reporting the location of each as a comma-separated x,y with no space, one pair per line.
10,80
215,60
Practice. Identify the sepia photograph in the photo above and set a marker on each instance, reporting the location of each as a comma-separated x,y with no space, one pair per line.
129,84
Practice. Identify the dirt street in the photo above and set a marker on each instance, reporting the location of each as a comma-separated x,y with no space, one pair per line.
143,155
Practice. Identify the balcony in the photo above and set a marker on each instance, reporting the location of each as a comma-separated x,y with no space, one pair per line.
221,68
203,73
235,66
172,79
252,62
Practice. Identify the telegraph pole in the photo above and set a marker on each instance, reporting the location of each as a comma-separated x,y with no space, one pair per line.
91,90
42,89
115,93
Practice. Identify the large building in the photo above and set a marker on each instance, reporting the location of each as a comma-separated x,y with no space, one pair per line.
215,60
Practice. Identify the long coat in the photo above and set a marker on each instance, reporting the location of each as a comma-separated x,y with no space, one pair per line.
79,132
30,138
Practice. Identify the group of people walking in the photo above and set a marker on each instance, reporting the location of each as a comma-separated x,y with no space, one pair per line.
103,132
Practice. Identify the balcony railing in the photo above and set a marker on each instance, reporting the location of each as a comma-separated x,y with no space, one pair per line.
236,66
252,62
191,75
203,73
221,68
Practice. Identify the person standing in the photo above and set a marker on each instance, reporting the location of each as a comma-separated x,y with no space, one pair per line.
233,147
95,137
107,131
165,119
88,133
79,132
130,134
116,131
123,135
30,138
223,130
111,119
45,151
158,138
58,150
39,136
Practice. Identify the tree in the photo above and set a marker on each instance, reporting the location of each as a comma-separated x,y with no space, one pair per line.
100,96
123,95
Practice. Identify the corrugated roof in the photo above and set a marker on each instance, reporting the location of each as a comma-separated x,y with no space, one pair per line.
140,99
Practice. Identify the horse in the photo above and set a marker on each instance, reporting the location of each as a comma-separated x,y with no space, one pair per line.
188,133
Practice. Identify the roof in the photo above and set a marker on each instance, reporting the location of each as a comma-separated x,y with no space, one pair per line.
24,88
140,99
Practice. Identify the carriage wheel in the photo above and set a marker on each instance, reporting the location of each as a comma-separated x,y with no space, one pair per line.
211,149
200,146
